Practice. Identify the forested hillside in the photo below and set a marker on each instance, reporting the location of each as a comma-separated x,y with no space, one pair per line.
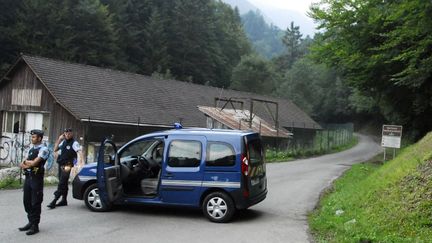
193,40
365,64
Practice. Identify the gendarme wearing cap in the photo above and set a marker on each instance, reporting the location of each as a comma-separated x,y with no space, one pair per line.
37,132
33,167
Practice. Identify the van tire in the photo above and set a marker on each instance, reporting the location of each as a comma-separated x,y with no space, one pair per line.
92,200
218,207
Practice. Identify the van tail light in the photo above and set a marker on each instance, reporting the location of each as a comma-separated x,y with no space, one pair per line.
245,174
244,165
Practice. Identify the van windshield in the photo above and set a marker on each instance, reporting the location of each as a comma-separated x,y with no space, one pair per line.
255,151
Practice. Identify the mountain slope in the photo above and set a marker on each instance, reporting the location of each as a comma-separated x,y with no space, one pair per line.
283,18
266,39
244,6
280,17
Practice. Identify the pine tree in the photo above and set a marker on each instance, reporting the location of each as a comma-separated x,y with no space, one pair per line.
292,40
155,56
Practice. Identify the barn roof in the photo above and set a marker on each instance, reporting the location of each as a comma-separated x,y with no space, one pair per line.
112,96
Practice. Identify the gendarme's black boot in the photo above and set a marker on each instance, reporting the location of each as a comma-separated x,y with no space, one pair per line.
53,203
25,227
33,230
63,202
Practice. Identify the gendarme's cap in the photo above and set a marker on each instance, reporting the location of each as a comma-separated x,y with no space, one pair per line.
37,132
67,130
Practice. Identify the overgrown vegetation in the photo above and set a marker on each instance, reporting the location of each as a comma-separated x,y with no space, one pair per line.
10,183
14,183
319,147
376,202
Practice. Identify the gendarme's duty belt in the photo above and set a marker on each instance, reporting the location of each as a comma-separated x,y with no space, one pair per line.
67,166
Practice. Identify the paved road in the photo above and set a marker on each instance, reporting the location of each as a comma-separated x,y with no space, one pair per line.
294,189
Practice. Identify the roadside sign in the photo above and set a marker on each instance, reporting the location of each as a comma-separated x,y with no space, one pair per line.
391,136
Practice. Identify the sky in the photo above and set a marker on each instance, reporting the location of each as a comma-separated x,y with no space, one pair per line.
299,5
275,10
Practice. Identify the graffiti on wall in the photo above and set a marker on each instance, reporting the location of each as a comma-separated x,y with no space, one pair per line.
14,148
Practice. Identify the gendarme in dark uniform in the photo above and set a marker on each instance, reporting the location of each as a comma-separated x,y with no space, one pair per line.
33,168
68,149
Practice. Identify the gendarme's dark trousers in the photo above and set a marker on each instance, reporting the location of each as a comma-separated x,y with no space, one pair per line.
33,197
62,188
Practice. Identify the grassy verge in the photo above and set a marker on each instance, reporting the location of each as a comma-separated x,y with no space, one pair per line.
273,155
12,183
375,202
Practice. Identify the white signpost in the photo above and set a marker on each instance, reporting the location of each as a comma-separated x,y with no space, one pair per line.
391,138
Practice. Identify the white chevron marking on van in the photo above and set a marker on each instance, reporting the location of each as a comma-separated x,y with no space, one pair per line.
201,183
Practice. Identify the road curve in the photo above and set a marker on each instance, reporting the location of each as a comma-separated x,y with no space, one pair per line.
294,188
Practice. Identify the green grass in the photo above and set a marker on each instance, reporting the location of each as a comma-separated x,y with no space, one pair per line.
389,202
350,144
273,155
12,183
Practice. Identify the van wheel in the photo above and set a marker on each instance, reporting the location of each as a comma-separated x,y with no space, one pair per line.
218,207
93,201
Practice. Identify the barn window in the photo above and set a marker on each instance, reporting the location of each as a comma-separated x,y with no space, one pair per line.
15,122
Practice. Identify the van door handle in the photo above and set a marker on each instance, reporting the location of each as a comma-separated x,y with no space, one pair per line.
168,175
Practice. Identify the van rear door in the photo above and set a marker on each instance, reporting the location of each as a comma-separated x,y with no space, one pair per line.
256,178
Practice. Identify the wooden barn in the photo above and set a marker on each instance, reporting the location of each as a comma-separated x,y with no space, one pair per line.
96,102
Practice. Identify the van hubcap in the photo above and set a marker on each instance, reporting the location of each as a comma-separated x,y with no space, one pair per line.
216,207
94,199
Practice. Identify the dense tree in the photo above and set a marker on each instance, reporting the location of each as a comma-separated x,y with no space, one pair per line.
192,43
197,41
8,47
205,41
317,90
141,35
79,31
92,33
253,74
384,49
232,40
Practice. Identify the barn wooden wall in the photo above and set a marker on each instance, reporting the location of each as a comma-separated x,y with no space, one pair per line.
23,77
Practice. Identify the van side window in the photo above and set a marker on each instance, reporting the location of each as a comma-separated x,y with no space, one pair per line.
220,154
184,153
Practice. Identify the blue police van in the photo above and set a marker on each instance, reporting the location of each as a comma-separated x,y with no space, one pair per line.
219,171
